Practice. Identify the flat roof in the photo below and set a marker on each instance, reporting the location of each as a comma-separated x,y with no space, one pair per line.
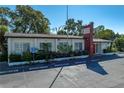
25,35
50,36
101,40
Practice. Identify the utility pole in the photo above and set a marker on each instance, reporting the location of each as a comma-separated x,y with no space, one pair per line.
67,11
67,17
67,27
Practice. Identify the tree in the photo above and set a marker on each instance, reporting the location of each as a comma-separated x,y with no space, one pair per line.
100,28
27,20
117,35
101,32
79,26
97,30
61,32
5,16
3,29
71,27
119,42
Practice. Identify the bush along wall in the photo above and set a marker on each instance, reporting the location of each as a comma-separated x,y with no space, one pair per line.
40,55
15,57
27,56
109,50
4,57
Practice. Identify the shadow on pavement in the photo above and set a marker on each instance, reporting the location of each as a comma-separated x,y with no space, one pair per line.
93,62
107,57
96,67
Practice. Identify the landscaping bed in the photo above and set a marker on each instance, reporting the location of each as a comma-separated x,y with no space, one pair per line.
3,57
40,57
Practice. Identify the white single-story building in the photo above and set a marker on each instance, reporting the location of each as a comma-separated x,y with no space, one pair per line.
20,42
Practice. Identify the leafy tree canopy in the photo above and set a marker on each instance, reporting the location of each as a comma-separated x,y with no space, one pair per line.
28,20
3,29
101,32
25,19
119,42
71,27
62,32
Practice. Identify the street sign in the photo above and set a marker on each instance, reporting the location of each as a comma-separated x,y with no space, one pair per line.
86,30
33,50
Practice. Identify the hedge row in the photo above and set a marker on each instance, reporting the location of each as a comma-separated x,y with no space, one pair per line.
3,57
40,55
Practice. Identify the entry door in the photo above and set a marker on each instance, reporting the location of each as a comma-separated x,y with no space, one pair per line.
97,49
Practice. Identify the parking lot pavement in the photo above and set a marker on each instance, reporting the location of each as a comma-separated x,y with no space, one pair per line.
29,79
106,73
79,76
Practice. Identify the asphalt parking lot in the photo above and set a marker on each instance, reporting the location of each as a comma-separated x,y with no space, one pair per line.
106,73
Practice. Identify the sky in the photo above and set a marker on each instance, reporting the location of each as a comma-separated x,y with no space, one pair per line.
111,16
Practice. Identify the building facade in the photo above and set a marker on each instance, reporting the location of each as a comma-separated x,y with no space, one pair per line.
19,43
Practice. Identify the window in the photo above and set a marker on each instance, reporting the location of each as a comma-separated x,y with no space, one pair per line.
49,46
26,47
21,47
17,48
78,46
46,46
41,46
64,47
63,43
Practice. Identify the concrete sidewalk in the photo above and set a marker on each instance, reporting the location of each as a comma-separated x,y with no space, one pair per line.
29,79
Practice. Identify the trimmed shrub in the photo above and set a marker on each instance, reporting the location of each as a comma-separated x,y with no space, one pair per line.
71,53
27,56
76,53
15,58
48,56
3,57
39,55
85,52
61,55
107,50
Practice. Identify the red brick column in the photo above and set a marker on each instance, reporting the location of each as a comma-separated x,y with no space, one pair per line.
88,38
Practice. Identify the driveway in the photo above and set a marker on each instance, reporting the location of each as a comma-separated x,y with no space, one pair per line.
100,71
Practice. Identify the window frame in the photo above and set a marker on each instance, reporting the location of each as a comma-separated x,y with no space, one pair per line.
23,47
78,46
49,48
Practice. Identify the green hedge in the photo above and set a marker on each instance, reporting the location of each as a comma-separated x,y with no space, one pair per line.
109,50
3,57
15,57
50,55
40,55
27,56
